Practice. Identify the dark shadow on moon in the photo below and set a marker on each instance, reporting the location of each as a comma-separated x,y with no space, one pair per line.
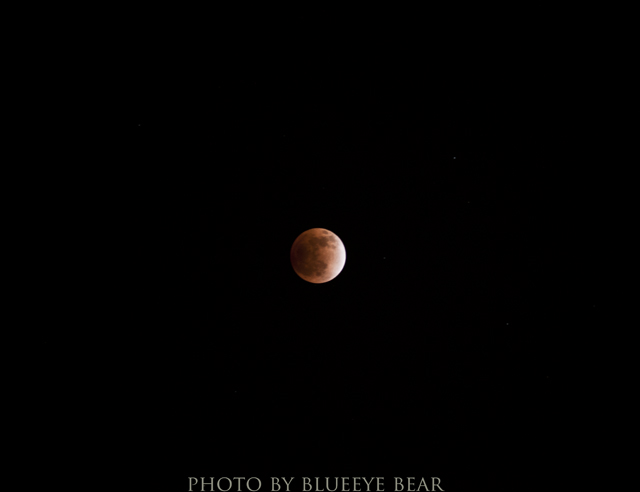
313,254
323,242
305,256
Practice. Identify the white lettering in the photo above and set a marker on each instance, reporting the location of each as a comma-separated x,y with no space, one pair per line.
202,484
228,480
345,485
356,484
398,484
190,484
287,483
423,484
259,484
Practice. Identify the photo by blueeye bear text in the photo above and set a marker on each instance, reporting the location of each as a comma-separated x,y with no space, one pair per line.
314,484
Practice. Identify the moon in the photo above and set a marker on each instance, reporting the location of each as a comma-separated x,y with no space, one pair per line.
318,255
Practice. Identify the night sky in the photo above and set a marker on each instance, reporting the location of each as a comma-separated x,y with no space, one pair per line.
431,353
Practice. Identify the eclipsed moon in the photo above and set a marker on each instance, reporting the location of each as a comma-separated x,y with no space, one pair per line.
318,255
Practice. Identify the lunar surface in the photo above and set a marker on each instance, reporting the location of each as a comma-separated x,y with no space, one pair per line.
318,255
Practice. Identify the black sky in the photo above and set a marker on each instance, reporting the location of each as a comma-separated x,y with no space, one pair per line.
430,354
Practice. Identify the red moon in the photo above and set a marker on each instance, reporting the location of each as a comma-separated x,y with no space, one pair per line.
318,255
